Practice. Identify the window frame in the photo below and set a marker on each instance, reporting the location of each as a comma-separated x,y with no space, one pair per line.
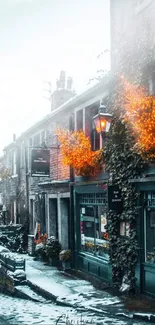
98,245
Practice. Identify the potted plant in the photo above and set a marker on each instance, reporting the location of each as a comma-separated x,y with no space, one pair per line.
40,252
65,257
53,249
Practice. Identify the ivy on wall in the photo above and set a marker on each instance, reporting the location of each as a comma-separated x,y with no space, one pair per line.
123,164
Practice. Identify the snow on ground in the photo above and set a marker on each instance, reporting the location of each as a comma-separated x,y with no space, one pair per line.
18,311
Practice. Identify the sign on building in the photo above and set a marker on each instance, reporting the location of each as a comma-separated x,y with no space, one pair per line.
40,162
114,198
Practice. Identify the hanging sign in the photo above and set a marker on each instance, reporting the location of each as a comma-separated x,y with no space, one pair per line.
114,198
40,162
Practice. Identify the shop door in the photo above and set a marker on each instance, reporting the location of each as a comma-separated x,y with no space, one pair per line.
148,256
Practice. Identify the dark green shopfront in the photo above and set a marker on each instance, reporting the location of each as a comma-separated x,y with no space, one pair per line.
91,241
91,237
146,235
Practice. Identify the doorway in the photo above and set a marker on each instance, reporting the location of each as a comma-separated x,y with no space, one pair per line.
53,218
148,254
65,226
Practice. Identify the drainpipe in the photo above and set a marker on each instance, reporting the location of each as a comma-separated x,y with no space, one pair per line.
27,186
71,240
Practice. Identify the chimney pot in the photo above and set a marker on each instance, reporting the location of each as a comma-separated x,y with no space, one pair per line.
69,83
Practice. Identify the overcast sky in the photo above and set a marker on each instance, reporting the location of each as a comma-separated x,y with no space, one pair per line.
38,38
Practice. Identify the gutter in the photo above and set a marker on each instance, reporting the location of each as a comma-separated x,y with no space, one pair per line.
54,183
142,180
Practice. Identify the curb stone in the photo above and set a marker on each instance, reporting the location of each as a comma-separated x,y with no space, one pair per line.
124,315
44,293
152,318
24,295
47,295
139,316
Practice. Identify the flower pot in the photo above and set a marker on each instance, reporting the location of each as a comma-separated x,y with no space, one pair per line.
66,265
53,261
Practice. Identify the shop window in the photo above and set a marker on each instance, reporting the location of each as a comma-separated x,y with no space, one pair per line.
149,232
94,236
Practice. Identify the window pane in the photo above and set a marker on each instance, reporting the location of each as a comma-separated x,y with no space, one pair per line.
95,140
94,237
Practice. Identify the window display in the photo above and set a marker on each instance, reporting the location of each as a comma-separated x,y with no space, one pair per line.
94,236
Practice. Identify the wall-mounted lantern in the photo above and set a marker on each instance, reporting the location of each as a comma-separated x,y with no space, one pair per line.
102,120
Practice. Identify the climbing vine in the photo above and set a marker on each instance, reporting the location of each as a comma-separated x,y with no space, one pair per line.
123,164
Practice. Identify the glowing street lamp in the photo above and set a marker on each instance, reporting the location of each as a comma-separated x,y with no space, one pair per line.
102,121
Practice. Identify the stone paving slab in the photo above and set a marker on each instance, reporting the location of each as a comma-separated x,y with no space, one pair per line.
47,282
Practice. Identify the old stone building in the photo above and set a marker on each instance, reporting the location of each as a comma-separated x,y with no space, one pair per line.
21,191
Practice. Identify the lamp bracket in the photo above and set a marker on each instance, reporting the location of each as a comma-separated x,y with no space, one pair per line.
102,109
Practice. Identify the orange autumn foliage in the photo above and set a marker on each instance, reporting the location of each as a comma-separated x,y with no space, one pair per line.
76,152
140,114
